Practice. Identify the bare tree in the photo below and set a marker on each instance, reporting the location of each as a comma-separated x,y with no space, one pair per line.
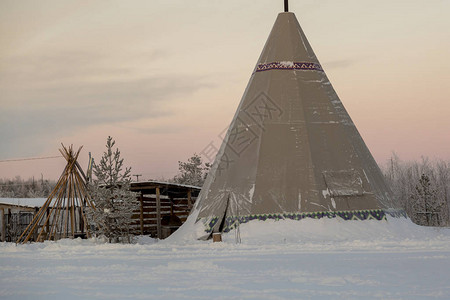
422,188
425,203
192,172
30,188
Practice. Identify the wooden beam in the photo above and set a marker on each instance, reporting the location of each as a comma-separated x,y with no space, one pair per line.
3,226
141,217
19,207
158,213
8,220
47,225
80,216
35,233
189,199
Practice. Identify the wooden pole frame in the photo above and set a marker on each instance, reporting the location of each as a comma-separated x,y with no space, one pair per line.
58,217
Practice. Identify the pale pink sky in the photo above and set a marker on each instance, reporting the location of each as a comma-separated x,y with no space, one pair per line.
164,78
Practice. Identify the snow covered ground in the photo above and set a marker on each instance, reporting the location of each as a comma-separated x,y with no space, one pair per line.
308,259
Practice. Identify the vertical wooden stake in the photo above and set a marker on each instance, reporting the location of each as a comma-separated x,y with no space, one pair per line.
171,205
217,237
158,213
8,221
141,199
3,226
36,210
81,222
189,199
48,223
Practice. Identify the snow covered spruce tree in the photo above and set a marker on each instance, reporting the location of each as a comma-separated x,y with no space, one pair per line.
114,201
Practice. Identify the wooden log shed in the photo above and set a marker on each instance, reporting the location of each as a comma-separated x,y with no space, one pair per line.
13,220
164,207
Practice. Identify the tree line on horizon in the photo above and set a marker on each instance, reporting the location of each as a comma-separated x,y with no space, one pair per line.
422,188
18,187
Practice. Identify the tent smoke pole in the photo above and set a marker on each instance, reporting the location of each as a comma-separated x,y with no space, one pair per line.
286,6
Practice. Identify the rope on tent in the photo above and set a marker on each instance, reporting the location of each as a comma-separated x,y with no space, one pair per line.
237,232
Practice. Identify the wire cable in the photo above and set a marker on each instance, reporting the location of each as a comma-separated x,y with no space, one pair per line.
30,158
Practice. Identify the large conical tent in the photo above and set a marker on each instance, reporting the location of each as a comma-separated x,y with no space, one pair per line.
291,151
63,214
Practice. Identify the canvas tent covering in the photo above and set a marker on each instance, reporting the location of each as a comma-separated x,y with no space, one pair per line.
291,151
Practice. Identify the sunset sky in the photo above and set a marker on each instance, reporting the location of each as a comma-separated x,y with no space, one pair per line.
164,78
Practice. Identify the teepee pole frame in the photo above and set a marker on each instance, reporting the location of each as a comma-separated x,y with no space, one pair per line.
58,216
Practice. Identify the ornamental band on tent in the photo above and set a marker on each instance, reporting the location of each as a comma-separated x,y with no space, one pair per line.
291,151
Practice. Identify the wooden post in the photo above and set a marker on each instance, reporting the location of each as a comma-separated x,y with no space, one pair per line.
9,223
158,213
3,226
81,222
48,223
36,209
141,217
189,199
217,237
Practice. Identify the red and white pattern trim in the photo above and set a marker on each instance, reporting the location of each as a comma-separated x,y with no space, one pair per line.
289,65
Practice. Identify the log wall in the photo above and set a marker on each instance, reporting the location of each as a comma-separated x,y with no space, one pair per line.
145,219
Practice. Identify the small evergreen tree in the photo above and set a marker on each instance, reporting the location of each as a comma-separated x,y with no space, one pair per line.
114,201
192,172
